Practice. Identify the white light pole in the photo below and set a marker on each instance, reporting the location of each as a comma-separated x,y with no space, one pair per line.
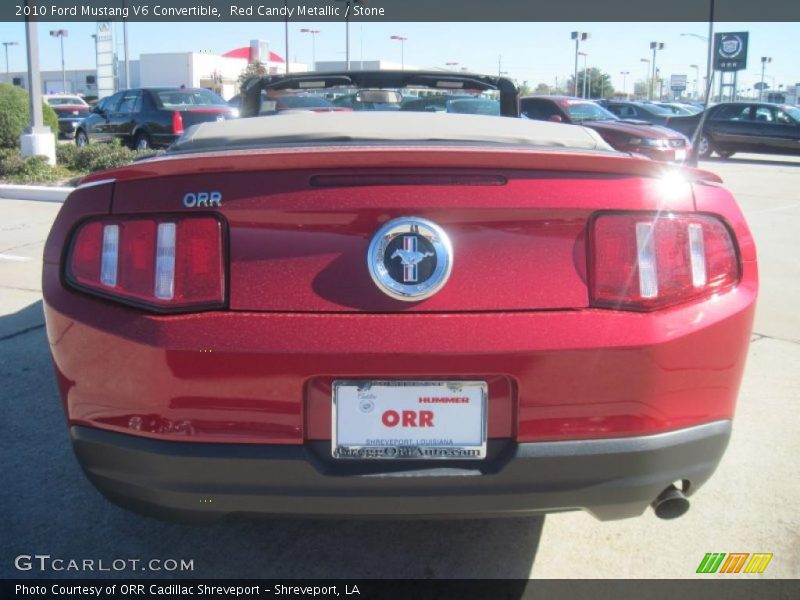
313,33
707,41
646,70
286,35
764,61
7,44
584,55
624,80
578,36
61,34
696,78
654,46
402,40
37,140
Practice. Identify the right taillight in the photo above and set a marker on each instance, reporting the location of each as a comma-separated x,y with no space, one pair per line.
177,123
164,263
645,261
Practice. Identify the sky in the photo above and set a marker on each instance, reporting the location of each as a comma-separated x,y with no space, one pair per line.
531,52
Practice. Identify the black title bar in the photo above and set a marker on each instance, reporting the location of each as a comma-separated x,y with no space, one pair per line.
398,10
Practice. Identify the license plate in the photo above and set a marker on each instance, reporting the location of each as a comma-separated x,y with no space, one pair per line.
412,420
680,155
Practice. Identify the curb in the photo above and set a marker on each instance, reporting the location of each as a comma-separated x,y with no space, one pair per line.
41,193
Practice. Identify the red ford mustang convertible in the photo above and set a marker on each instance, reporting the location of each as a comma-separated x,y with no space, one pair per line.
398,314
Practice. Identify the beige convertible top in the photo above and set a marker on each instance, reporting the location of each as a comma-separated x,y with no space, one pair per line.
308,127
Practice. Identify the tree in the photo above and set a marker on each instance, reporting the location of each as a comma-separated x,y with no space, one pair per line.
254,69
598,84
542,89
15,115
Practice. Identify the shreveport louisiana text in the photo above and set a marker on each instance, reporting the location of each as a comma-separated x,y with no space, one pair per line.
133,10
173,589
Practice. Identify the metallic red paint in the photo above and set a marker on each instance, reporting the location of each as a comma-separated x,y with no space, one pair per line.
515,315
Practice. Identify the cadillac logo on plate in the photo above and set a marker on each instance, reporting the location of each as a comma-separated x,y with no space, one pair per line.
410,258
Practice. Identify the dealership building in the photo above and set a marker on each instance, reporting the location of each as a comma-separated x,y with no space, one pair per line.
219,73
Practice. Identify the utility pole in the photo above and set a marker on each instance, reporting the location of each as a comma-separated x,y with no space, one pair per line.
313,33
402,41
578,36
584,55
286,34
696,78
764,61
125,51
61,34
624,87
654,46
7,44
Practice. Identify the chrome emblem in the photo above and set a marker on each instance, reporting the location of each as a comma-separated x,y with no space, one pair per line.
410,258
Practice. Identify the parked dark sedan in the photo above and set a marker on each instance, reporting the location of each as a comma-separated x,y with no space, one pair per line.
150,117
642,111
733,127
626,135
70,109
384,100
454,103
271,105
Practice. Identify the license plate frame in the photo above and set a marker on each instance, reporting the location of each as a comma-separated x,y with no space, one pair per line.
472,401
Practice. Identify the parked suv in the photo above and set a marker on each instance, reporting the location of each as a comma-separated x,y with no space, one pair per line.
733,127
150,117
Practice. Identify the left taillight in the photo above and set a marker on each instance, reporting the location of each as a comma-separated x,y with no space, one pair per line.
167,264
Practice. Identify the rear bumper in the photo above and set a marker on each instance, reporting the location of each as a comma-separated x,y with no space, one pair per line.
67,128
610,478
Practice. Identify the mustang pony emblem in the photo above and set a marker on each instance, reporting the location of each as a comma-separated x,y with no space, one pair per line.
410,257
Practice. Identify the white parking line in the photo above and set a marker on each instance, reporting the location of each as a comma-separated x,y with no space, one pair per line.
14,257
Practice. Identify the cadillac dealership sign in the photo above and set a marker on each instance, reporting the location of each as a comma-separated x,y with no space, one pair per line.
730,51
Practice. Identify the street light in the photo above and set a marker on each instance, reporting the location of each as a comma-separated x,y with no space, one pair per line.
61,34
696,78
654,46
402,40
347,29
624,87
584,55
646,70
578,36
313,33
451,65
7,44
764,61
696,35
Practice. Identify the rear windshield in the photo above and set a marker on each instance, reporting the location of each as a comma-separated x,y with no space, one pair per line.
474,107
66,101
185,99
303,102
656,109
588,111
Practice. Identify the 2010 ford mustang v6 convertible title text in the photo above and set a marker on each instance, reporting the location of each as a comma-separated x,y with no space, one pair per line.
407,313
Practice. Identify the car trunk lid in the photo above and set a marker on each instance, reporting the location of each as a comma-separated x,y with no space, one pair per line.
299,226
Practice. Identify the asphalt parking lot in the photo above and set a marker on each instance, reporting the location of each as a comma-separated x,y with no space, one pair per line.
750,505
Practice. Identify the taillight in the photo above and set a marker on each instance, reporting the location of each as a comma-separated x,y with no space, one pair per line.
177,123
645,261
162,263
